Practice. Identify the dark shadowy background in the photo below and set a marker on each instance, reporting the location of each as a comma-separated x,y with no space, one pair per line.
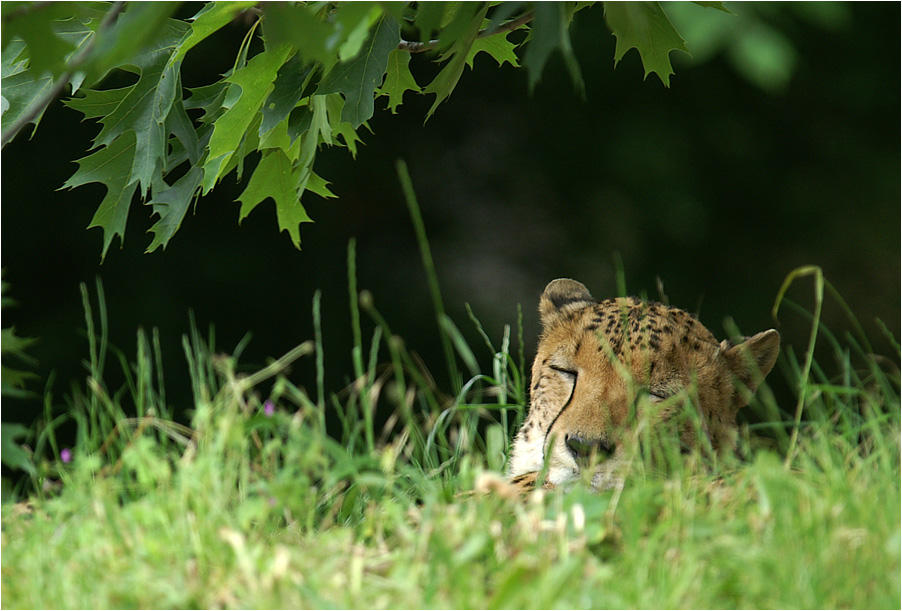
719,186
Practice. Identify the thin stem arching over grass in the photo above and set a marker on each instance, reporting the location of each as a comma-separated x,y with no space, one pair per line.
818,274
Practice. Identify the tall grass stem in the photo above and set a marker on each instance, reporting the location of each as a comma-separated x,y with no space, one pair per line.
429,266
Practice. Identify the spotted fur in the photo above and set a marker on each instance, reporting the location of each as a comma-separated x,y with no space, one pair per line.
601,366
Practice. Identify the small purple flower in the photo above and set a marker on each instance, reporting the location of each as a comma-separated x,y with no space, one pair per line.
269,408
66,455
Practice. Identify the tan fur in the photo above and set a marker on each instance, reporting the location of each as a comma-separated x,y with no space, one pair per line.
601,367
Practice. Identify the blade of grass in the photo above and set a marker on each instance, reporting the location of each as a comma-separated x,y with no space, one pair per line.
320,368
357,349
158,363
478,325
428,265
460,344
620,275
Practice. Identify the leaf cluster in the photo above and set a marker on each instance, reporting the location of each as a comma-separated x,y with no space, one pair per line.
306,75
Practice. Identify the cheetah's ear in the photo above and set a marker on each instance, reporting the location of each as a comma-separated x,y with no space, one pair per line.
561,297
753,359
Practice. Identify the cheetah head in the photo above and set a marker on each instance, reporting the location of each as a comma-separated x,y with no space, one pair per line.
601,366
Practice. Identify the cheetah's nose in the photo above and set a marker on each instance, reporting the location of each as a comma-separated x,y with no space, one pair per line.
583,448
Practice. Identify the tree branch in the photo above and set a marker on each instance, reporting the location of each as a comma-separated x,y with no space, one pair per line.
427,45
42,103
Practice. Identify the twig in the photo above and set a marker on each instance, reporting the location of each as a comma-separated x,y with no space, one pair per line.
419,47
41,104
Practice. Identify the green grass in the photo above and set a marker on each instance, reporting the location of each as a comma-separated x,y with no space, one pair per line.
248,510
251,510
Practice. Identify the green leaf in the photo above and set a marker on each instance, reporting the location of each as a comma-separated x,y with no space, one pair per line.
394,9
14,456
139,25
142,107
398,79
357,80
20,87
715,5
19,92
213,170
210,19
458,21
13,60
764,56
288,89
276,177
12,381
645,27
13,345
179,124
498,46
317,185
98,103
504,11
249,144
429,18
278,137
300,27
171,203
549,32
299,122
110,166
334,106
47,51
349,137
253,83
78,32
446,80
319,130
352,21
209,99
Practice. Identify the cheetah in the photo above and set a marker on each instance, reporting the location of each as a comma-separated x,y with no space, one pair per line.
601,366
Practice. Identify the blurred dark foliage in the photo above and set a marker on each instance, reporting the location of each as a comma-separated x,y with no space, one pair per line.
718,187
